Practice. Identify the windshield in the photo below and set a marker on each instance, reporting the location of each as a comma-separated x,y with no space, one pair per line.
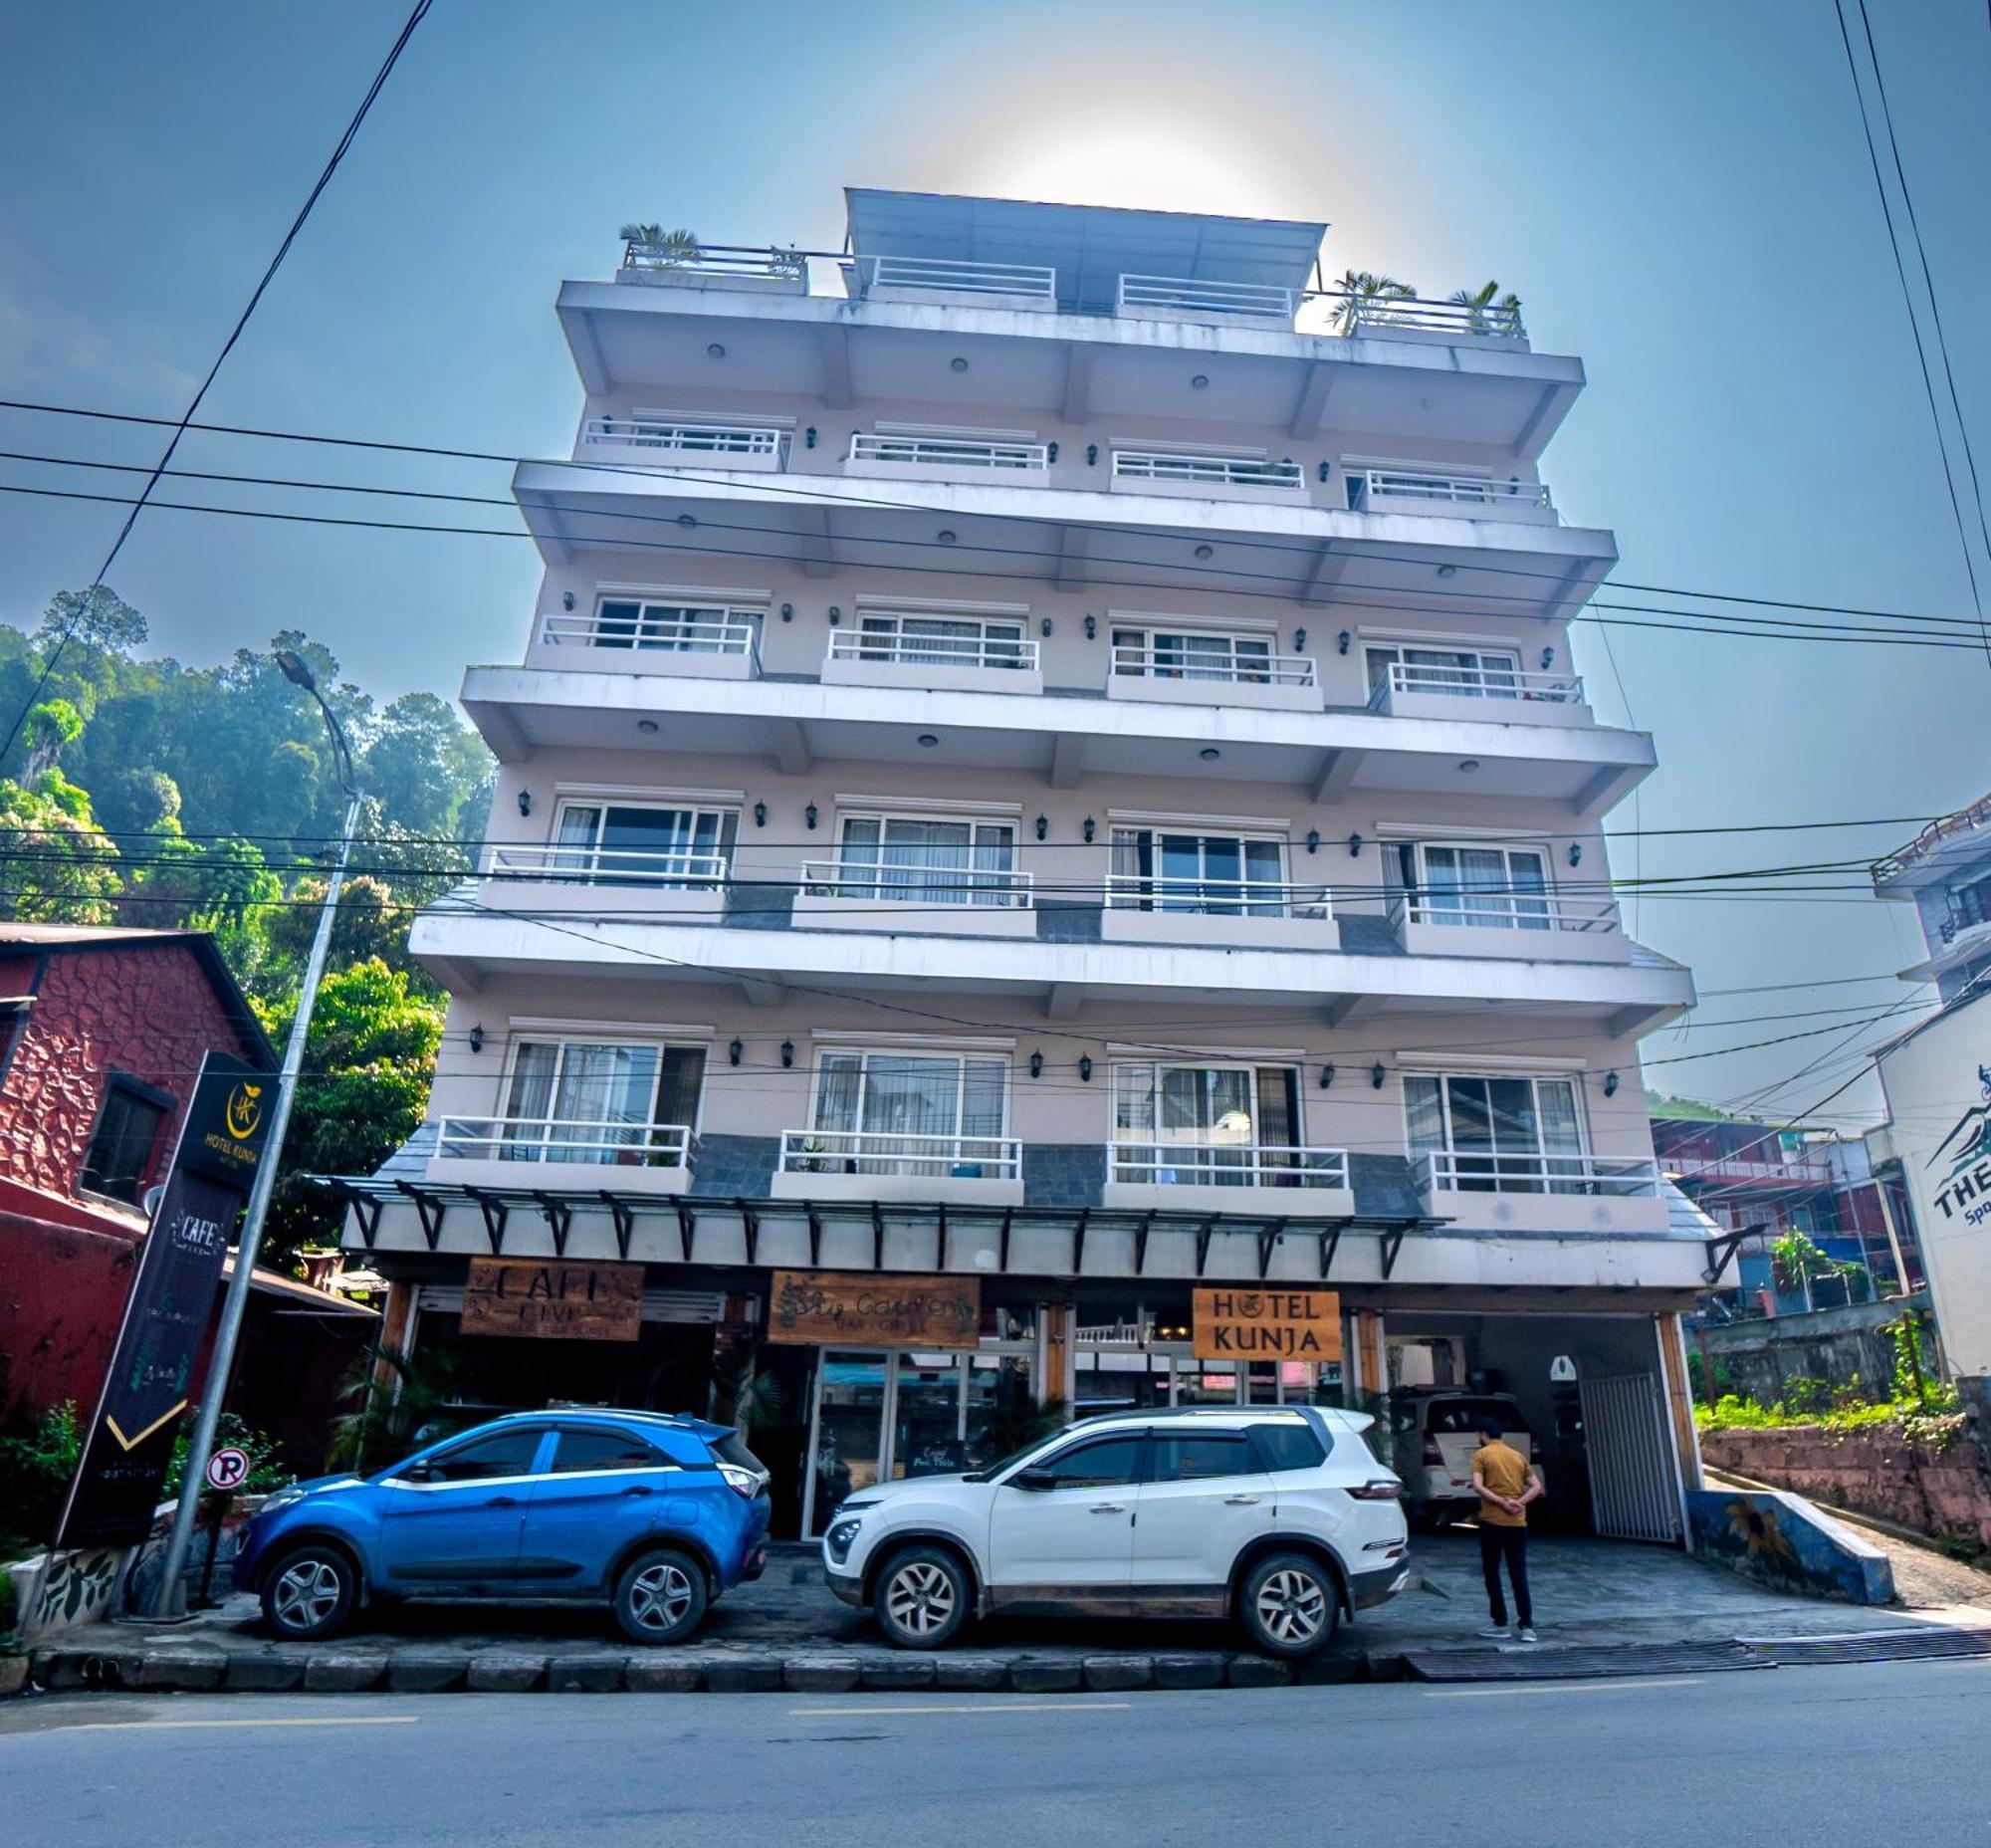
989,1471
1461,1417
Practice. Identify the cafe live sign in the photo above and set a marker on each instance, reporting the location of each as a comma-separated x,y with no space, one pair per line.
146,1390
550,1299
1267,1325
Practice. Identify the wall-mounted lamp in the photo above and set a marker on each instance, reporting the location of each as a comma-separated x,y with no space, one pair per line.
1299,641
732,1050
1090,829
1091,627
1323,471
1375,1075
525,801
1043,826
1092,455
566,599
809,815
788,612
788,1053
1313,840
835,616
1327,1077
1050,452
1341,642
1548,659
809,437
477,1039
1355,847
1610,1084
1044,627
760,814
1085,1067
1576,854
1036,1065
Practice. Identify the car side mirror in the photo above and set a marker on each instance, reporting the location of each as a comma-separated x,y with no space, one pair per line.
1037,1481
417,1473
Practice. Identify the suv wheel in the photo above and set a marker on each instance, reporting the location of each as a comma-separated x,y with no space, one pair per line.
1289,1605
311,1592
922,1598
661,1596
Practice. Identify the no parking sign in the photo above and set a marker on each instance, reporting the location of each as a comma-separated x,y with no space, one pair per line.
228,1468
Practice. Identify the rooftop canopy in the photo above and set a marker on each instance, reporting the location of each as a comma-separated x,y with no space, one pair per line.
1090,246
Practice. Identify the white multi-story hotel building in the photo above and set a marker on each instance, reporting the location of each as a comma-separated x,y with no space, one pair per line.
1047,755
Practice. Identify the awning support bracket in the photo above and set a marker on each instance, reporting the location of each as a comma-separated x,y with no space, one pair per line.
687,1229
560,1216
1079,1242
430,1211
1330,1244
750,1222
1141,1243
1392,1242
1203,1238
496,1213
625,1222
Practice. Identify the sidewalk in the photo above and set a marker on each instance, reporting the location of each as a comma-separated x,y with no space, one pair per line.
786,1631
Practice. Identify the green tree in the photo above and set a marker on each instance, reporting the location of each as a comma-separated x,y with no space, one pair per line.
423,765
50,726
56,865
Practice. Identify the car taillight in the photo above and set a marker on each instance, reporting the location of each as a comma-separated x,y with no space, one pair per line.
1432,1454
1377,1488
743,1483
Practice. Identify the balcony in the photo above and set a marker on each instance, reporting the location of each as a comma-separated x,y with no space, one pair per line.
977,663
887,456
737,268
660,442
1166,1177
1408,318
1181,298
1428,492
1546,1193
864,894
1281,682
1207,477
720,644
1546,926
854,1164
1141,908
516,1152
547,876
964,284
1419,690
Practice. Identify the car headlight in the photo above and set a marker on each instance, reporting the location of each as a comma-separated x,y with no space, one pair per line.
837,1542
280,1497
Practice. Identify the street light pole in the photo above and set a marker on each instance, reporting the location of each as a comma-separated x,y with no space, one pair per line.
236,1305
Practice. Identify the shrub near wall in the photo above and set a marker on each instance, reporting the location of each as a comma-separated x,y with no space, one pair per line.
1938,1483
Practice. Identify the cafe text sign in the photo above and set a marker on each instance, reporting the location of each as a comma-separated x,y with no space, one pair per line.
810,1307
1267,1325
534,1298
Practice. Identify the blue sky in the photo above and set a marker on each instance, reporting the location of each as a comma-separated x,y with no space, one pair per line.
1678,191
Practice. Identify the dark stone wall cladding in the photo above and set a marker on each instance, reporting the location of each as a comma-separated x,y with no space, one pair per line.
761,907
1385,1186
1063,1174
1368,935
734,1166
1067,923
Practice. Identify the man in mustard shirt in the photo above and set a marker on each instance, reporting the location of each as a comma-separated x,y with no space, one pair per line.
1505,1482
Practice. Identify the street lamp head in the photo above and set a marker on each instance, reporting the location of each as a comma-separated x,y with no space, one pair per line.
294,671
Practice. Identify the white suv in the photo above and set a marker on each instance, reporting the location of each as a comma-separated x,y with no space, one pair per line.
1277,1517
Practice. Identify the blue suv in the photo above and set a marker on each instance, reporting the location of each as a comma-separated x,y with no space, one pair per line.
654,1514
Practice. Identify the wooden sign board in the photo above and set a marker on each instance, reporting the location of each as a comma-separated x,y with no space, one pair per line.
825,1309
1267,1325
548,1299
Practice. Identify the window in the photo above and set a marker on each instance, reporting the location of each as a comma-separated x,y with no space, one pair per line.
506,1452
607,843
120,1155
1965,908
1190,655
1287,1447
1219,876
603,1449
673,627
611,1102
919,1114
1205,1125
1191,1457
929,861
1104,1463
1484,888
1499,1135
1462,1417
916,640
1470,673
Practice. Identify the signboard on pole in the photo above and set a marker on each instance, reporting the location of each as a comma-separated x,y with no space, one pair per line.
1267,1325
129,1444
825,1309
547,1297
228,1468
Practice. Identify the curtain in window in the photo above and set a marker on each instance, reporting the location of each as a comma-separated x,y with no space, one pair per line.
531,1099
575,838
604,1093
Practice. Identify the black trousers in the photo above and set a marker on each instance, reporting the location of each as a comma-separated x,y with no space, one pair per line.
1511,1545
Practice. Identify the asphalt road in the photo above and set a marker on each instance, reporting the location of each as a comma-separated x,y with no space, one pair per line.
1822,1755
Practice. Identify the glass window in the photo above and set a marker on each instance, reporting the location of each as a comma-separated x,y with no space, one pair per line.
938,642
1496,888
1189,654
505,1453
1468,673
918,1113
619,1105
673,628
613,842
1100,1465
1228,875
1455,1417
1193,1456
120,1155
1208,1126
602,1450
929,862
1288,1447
1501,1134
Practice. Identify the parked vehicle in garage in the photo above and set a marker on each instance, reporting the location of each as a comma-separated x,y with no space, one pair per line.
1277,1517
1434,1430
655,1515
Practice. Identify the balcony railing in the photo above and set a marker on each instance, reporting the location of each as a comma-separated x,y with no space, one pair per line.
1215,897
541,1139
1477,683
1379,314
1032,285
891,648
1176,1164
1720,1168
1463,1172
700,442
900,883
599,865
862,1151
1503,908
744,260
1170,663
1145,295
949,452
1218,472
732,633
1367,486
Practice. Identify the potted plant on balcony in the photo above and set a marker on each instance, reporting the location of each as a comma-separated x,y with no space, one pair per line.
652,244
1362,293
1488,311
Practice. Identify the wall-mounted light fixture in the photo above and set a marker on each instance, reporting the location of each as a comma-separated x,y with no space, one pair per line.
1091,627
1044,627
1548,659
1576,854
760,814
1313,840
927,740
1447,570
809,437
788,612
1355,847
1092,455
1610,1084
1323,471
1043,826
525,801
714,350
835,616
687,521
566,599
1327,1077
1206,552
1050,452
1090,829
647,727
947,535
1299,641
1375,1075
732,1050
1199,382
477,1039
1341,642
809,815
788,1053
958,363
1036,1065
1085,1067
1210,754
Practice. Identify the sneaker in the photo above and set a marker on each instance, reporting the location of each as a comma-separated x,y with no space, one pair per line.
1526,1634
1495,1633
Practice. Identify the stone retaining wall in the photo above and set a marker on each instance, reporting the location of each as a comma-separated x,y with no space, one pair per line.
1942,1491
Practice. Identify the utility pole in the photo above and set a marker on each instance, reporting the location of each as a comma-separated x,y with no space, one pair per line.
236,1305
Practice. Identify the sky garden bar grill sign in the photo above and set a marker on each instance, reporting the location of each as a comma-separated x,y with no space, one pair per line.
809,1308
167,1316
1267,1325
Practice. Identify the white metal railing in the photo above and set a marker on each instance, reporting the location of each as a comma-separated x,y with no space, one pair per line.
1250,301
1215,898
599,865
865,1151
719,260
1478,683
1029,282
1212,471
1016,653
1504,908
1177,1164
1796,1173
1368,485
950,451
701,441
1362,313
1173,663
556,1139
1461,1171
653,629
917,884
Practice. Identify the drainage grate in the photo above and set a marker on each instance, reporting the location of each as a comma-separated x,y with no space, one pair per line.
1582,1664
1896,1646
